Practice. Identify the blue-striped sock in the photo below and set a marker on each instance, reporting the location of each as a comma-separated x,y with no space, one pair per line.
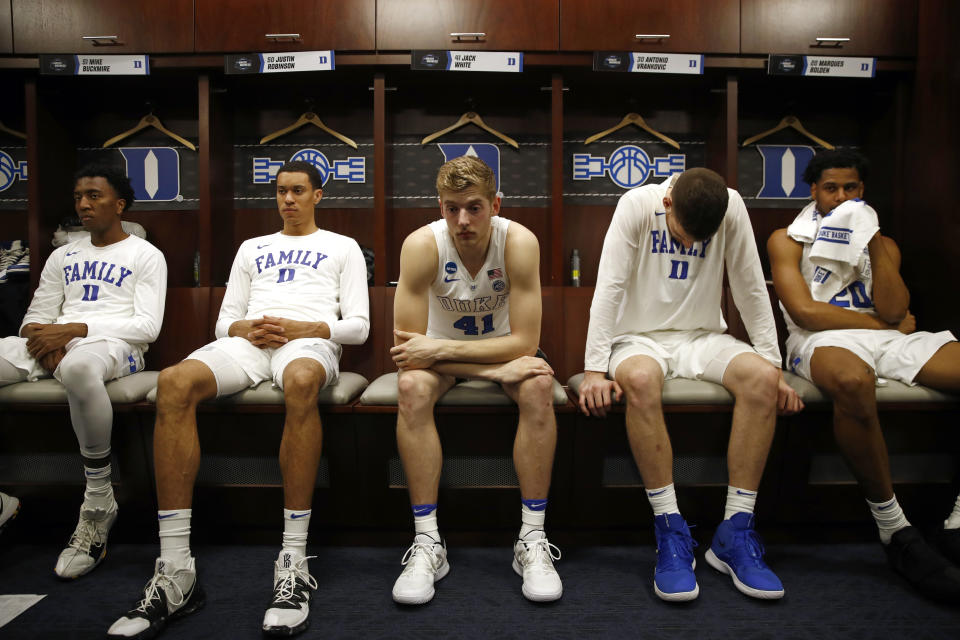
533,513
425,521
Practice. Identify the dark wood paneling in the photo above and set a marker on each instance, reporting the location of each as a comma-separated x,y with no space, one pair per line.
585,226
185,326
241,25
142,26
530,25
693,25
556,255
576,319
6,28
13,225
875,27
366,359
174,233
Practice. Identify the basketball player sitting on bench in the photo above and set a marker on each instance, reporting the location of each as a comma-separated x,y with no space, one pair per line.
98,306
468,305
861,330
292,299
656,315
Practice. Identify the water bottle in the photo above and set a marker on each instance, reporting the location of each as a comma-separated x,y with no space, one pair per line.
575,269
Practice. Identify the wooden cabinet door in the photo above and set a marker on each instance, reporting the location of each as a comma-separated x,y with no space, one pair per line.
874,27
140,26
6,29
307,25
505,25
688,26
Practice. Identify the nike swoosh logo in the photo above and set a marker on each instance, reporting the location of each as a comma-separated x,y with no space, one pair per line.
656,493
261,246
884,508
72,253
449,279
659,213
296,516
169,515
745,493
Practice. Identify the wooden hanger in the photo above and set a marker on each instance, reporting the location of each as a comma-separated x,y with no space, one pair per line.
12,132
149,120
308,117
471,117
792,122
635,119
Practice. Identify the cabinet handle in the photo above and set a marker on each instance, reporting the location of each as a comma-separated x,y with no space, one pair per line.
94,39
292,36
835,41
652,36
477,35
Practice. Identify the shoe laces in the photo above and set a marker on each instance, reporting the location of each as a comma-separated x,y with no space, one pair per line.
675,550
751,548
84,535
421,557
151,592
286,585
540,553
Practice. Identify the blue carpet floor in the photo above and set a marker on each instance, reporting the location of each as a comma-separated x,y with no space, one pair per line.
833,591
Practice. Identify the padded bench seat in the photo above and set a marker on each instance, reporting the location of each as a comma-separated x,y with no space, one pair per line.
472,393
125,390
681,391
348,387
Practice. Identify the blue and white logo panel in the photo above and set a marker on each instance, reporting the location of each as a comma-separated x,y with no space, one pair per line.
628,166
154,172
351,169
783,167
11,170
486,151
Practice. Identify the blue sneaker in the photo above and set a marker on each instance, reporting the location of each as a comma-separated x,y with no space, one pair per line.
738,551
673,579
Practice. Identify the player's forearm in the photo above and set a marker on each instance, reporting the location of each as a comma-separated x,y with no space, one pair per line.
891,298
822,316
491,350
469,370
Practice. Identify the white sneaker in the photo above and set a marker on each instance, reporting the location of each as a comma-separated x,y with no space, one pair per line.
289,611
533,558
425,562
9,508
88,544
172,592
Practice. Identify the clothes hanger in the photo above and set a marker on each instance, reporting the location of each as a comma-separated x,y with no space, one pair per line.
793,122
471,117
309,117
12,132
150,120
635,119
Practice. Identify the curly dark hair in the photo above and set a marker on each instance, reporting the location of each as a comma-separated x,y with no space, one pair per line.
837,159
114,177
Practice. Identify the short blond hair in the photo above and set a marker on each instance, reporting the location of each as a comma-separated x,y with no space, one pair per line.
464,172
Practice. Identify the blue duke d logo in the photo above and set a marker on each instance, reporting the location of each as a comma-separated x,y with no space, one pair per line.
154,172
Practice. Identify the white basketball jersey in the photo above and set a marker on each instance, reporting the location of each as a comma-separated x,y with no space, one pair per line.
464,307
856,296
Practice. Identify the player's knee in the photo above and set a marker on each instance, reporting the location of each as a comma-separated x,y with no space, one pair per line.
415,391
537,391
759,384
301,384
642,388
79,374
849,384
174,388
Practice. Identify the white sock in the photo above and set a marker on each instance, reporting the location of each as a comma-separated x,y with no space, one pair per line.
296,522
533,513
425,522
953,520
739,501
99,490
663,500
175,536
889,516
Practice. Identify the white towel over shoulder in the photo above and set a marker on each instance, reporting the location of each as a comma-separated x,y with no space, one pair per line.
838,243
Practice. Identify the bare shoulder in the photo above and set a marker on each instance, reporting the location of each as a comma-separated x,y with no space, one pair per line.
780,242
419,256
520,237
